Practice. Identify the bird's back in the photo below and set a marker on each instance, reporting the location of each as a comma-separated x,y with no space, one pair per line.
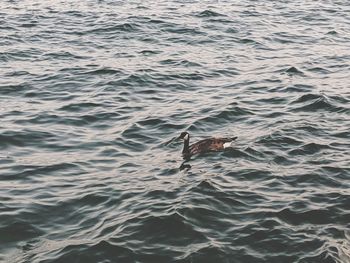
210,145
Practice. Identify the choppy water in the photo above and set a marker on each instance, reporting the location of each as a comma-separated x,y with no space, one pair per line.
91,92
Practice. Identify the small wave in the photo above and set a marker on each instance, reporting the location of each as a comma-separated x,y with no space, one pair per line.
157,21
342,134
148,52
213,253
232,30
204,187
335,170
317,102
94,253
136,79
105,71
24,138
319,70
228,72
124,27
30,170
294,71
63,55
154,127
190,31
279,139
309,148
307,97
335,250
29,24
133,133
298,88
93,199
18,230
282,160
170,229
249,41
320,256
317,217
236,153
131,145
92,118
78,107
224,116
275,100
15,89
151,122
332,32
185,63
208,13
22,54
312,179
17,73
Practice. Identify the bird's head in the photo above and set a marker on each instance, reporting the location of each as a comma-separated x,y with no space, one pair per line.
184,136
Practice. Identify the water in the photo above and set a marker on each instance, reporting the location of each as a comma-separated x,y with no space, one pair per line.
92,92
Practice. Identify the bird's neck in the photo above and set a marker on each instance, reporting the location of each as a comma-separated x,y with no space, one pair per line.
186,148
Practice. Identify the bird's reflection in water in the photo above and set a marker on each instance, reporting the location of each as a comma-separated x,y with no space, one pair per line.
184,165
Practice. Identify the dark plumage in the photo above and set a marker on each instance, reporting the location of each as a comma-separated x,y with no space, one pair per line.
203,146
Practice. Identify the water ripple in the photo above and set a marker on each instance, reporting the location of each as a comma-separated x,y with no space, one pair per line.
94,94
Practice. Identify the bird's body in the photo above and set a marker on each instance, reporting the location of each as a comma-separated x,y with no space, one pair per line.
203,146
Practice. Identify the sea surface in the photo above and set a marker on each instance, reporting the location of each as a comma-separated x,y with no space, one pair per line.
94,93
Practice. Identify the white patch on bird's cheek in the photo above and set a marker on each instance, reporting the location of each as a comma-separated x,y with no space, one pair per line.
227,145
186,137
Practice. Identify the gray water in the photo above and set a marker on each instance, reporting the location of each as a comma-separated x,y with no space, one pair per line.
92,94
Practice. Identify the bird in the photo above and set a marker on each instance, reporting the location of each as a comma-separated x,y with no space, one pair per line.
203,146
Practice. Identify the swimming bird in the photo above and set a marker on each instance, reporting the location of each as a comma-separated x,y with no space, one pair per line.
203,146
